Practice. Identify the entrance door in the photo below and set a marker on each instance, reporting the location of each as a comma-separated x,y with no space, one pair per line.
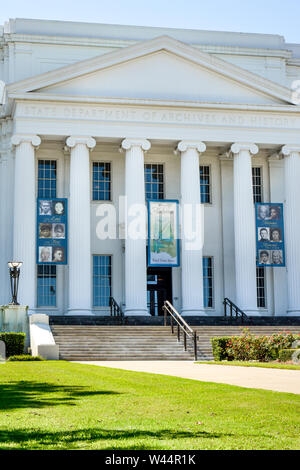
159,289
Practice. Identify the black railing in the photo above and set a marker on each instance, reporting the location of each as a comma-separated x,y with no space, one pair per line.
182,327
115,309
234,310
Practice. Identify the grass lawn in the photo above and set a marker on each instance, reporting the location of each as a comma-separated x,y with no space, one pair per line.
268,365
59,405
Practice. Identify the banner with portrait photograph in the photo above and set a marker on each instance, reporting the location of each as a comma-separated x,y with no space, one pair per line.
270,235
52,231
163,233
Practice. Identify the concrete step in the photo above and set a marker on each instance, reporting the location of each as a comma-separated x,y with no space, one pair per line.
118,343
115,342
129,358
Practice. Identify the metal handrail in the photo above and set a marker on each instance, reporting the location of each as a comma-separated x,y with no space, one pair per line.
182,325
233,309
115,309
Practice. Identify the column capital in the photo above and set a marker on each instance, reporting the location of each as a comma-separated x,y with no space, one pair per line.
18,139
239,146
288,149
74,140
127,144
184,145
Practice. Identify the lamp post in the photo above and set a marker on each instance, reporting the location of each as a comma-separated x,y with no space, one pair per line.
14,272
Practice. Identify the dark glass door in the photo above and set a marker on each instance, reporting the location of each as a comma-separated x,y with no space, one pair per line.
159,289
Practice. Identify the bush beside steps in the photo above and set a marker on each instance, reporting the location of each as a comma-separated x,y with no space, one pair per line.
283,346
25,357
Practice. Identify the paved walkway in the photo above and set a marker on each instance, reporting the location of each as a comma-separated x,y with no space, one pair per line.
279,380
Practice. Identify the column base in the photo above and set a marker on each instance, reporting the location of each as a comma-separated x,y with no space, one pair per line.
252,313
136,312
193,313
81,312
293,313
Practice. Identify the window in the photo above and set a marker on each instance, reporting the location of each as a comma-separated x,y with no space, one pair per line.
154,181
46,285
101,181
101,280
257,184
205,184
261,287
47,178
208,294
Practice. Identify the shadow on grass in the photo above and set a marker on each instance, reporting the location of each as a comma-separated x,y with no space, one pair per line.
69,439
30,394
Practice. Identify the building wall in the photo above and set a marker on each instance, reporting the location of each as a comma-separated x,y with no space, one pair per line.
31,47
218,220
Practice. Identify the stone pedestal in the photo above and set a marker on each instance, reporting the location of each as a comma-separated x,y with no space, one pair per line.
14,318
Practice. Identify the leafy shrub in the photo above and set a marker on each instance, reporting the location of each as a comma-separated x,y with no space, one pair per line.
14,343
219,347
26,357
251,348
286,354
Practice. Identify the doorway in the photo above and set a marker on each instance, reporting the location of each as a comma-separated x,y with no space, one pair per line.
159,289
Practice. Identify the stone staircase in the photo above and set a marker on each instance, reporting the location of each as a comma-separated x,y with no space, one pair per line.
117,343
133,343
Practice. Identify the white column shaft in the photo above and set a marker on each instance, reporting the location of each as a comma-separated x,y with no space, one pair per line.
292,224
135,249
7,185
24,244
191,258
3,269
244,233
80,273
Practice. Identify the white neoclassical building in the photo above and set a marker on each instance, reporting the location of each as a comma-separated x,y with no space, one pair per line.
201,117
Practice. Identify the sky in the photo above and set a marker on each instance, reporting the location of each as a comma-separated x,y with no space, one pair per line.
252,16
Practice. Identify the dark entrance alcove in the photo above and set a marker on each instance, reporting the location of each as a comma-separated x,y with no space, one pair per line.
159,289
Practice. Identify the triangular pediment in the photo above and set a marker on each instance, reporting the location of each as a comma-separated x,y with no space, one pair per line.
160,69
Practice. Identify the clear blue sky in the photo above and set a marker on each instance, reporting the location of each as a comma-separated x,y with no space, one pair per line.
256,16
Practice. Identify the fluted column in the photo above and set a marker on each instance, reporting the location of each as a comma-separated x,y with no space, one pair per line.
244,228
3,270
24,243
6,231
292,224
135,248
80,272
191,256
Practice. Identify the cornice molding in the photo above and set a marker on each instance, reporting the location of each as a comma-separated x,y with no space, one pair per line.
293,62
162,43
120,43
40,97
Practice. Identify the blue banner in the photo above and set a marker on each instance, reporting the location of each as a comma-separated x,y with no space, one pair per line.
52,231
270,235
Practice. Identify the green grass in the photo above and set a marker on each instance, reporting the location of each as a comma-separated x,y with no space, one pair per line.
60,405
267,365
